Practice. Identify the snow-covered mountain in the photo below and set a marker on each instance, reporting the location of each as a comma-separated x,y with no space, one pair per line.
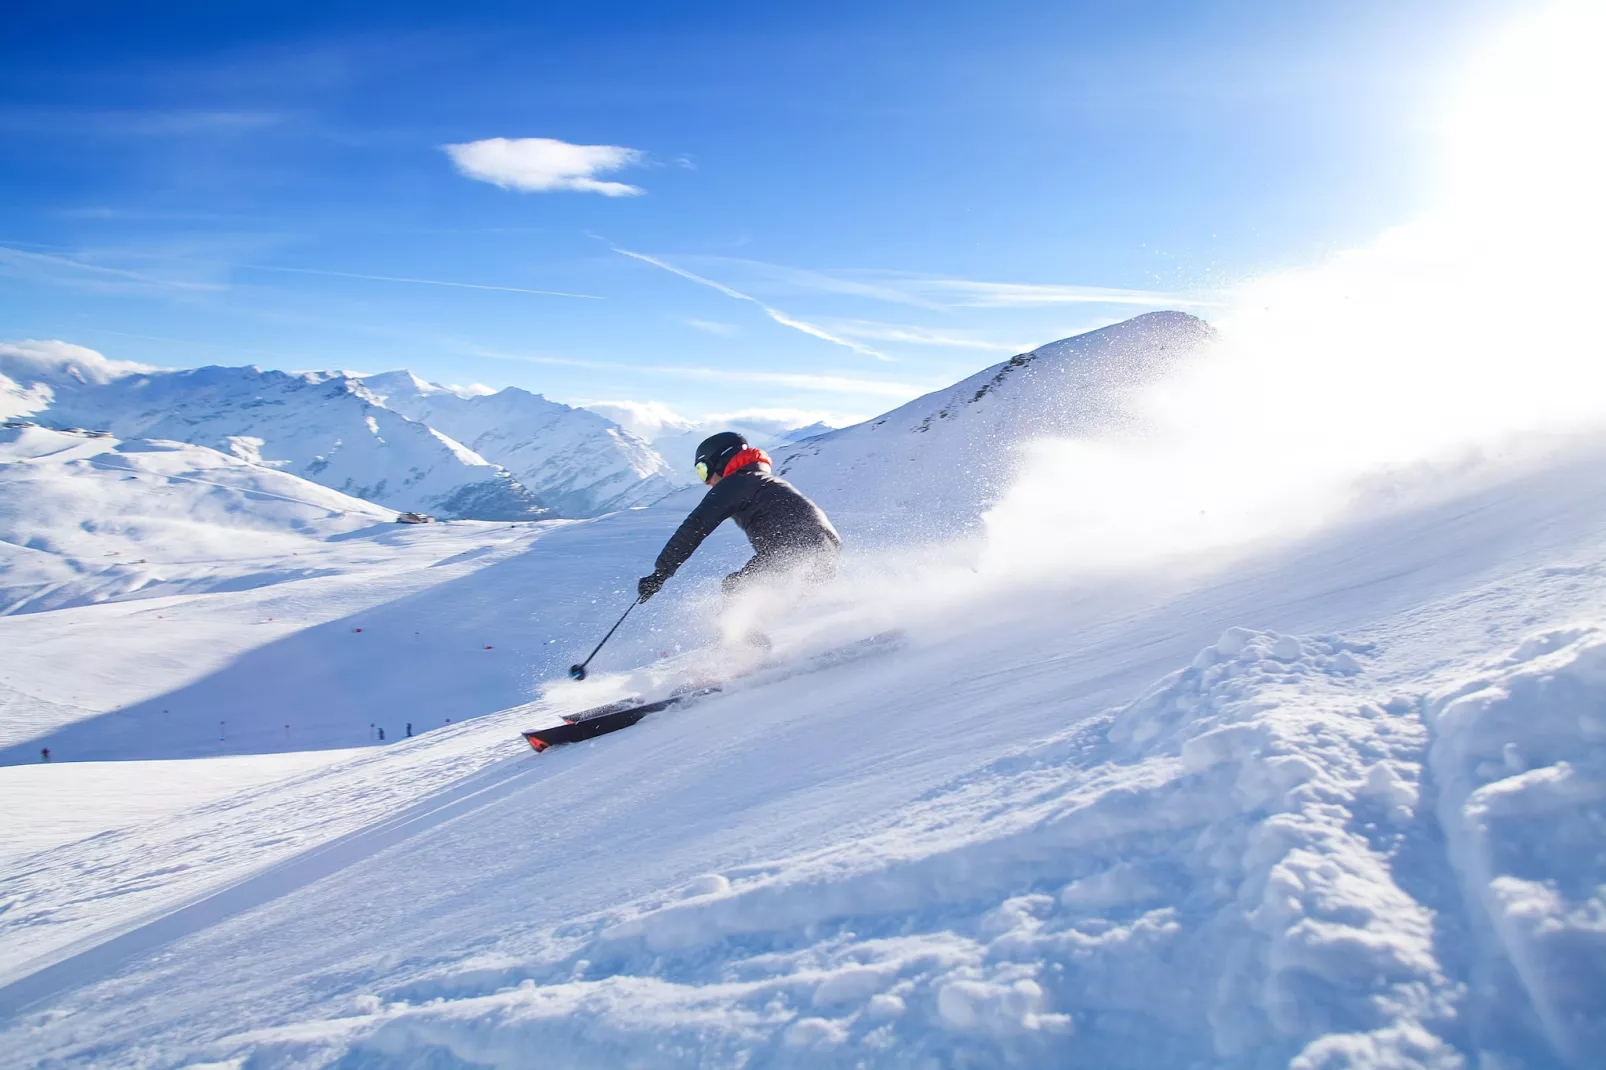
1337,806
391,438
933,465
31,373
1333,801
576,461
676,438
322,426
86,518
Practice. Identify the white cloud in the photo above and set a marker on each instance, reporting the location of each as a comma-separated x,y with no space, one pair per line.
922,336
773,313
779,420
411,279
648,420
542,164
801,280
819,384
133,122
472,390
822,384
45,267
969,293
53,361
665,428
724,330
53,268
937,292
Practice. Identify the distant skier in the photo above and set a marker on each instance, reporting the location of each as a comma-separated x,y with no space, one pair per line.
409,730
44,754
791,536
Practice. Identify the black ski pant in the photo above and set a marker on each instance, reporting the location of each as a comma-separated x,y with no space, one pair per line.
814,566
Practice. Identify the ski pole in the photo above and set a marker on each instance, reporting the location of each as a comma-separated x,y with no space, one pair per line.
579,671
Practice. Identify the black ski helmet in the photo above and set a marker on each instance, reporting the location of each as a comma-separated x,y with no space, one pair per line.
716,452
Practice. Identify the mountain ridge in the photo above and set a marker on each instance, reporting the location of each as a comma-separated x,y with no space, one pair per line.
322,426
403,442
1069,387
579,462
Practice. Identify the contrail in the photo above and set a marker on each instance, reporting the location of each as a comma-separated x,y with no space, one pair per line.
773,313
421,282
20,255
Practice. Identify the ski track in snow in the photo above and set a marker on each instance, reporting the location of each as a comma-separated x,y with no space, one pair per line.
1340,805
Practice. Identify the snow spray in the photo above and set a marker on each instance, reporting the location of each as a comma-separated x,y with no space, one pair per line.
1440,344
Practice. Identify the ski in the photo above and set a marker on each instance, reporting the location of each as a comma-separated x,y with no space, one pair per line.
625,712
609,718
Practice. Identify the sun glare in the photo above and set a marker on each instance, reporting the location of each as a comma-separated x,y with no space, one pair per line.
1445,337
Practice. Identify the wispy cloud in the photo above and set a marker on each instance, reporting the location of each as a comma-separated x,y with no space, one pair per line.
418,281
921,336
133,122
785,419
654,421
724,330
969,293
110,214
937,292
773,313
543,164
47,267
803,280
50,267
824,384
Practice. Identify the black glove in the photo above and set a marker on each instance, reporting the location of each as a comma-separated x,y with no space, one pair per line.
733,583
648,586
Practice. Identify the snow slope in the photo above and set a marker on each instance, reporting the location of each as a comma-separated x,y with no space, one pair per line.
578,462
932,466
131,568
322,426
89,518
393,625
145,792
1335,803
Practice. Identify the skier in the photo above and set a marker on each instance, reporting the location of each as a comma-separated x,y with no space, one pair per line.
791,536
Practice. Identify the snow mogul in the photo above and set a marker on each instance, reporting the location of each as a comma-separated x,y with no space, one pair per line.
792,539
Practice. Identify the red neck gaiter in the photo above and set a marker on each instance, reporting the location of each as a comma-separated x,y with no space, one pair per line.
745,458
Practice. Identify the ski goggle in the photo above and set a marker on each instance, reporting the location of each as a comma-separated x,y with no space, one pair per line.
702,471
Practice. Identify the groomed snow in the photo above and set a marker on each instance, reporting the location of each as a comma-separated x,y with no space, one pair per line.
1333,802
112,795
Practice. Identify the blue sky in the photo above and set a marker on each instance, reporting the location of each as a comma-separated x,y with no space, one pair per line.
823,208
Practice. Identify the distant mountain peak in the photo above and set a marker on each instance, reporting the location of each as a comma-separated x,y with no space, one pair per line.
323,426
580,462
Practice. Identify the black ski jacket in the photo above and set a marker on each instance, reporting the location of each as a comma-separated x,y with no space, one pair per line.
778,520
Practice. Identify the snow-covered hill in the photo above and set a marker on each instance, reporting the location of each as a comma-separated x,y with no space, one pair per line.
1336,805
1331,799
85,517
321,426
578,462
932,466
